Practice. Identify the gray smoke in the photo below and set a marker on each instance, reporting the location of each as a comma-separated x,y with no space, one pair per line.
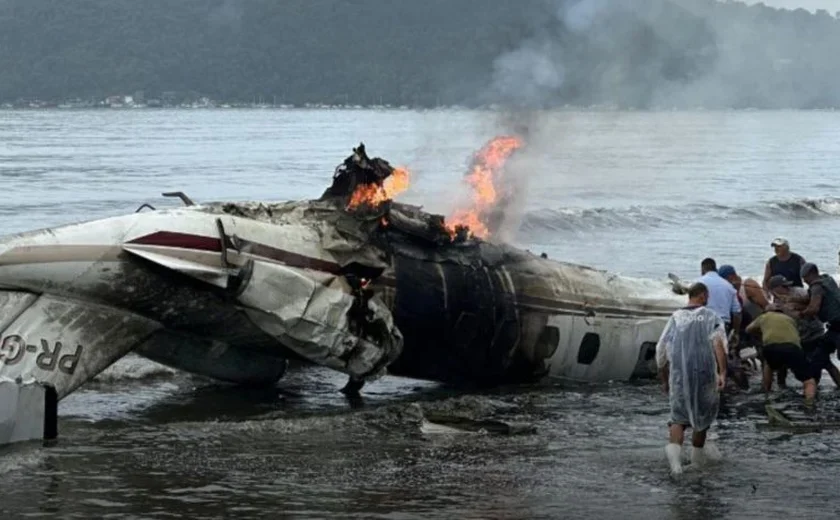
536,73
652,54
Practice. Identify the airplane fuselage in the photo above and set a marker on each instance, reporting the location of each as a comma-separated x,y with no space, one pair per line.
197,284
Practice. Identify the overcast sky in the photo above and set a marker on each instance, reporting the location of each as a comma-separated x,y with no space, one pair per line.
832,6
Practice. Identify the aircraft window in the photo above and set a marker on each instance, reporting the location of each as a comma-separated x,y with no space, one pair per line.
589,347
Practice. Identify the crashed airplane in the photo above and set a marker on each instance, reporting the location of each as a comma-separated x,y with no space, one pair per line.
352,281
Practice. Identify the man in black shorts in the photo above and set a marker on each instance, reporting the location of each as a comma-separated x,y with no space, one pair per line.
824,304
781,348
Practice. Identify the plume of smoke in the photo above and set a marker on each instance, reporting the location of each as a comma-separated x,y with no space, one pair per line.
536,73
529,75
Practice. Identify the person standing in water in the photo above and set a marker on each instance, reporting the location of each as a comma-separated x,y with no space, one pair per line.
783,262
691,357
782,348
722,298
824,304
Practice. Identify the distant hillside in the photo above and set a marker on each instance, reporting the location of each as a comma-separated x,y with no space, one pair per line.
648,53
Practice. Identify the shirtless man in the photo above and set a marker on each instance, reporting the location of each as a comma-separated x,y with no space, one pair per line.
750,294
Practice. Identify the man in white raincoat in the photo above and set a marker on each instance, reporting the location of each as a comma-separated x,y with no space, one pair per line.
691,356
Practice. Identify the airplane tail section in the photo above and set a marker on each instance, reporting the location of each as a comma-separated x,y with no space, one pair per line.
61,341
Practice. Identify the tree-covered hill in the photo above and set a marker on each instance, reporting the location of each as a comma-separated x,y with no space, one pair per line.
639,53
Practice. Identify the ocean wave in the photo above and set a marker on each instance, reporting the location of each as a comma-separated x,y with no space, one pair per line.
584,219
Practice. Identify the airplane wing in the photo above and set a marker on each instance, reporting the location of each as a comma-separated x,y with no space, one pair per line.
62,341
307,310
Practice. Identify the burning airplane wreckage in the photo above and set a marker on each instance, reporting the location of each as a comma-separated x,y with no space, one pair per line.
352,281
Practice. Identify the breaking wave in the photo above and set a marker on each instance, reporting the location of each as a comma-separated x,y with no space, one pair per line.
584,219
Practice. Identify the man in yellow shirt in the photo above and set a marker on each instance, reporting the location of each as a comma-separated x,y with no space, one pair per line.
781,348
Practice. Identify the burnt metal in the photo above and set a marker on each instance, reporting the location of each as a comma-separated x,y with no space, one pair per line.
222,242
645,364
50,413
353,387
359,270
237,281
458,320
356,170
181,195
422,226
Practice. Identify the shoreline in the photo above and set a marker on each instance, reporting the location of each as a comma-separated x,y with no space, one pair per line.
404,108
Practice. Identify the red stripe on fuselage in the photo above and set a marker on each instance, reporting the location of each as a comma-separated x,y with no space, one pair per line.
202,243
182,240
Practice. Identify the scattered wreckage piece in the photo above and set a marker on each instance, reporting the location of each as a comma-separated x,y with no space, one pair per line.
456,423
800,423
233,291
419,417
28,411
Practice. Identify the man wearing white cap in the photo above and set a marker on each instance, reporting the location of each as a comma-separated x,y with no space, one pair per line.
784,262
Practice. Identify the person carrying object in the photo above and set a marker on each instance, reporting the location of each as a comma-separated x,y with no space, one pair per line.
781,348
737,370
691,359
791,300
783,262
824,304
722,299
753,297
750,296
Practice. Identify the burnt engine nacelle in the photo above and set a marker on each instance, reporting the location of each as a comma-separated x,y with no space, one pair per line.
485,313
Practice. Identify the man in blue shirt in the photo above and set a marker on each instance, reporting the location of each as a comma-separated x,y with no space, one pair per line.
723,298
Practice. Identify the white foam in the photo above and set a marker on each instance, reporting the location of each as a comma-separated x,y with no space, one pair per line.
24,458
134,367
712,452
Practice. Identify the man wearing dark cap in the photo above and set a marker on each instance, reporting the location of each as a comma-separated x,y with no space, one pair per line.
785,294
792,301
824,305
783,262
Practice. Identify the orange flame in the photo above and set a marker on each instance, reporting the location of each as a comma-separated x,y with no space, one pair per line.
374,194
486,170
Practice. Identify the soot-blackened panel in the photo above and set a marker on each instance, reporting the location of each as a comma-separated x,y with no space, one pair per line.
457,323
589,347
547,342
645,365
466,329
